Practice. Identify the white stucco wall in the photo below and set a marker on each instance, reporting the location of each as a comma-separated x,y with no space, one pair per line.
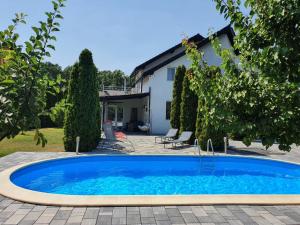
161,88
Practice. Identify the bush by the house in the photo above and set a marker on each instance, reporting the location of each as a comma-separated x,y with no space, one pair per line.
188,108
82,114
176,100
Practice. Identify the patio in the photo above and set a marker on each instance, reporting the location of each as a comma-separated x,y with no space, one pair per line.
14,212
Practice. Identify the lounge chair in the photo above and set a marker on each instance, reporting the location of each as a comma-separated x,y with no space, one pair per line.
111,136
183,138
169,136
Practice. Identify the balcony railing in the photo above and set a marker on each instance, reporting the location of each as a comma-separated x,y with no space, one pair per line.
120,89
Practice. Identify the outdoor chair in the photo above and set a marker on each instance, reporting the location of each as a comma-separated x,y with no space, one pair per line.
169,136
183,138
113,137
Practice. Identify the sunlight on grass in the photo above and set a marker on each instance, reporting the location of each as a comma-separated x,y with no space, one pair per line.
25,142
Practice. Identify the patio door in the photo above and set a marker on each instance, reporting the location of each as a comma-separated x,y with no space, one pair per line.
115,115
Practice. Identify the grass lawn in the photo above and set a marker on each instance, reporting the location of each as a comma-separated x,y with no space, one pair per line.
26,143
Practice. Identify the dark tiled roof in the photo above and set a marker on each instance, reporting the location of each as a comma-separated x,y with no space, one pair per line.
150,66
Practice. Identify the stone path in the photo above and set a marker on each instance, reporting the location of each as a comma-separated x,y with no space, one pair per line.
14,212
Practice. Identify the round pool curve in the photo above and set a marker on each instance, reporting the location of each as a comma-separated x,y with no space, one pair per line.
159,175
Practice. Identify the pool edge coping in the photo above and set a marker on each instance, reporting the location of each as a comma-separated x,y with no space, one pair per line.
10,190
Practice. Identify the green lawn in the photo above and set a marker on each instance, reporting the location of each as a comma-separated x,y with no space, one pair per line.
26,143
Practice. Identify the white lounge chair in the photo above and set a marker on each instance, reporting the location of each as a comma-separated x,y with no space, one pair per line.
169,136
111,137
183,138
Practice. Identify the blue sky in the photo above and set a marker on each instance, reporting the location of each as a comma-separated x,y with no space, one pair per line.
121,33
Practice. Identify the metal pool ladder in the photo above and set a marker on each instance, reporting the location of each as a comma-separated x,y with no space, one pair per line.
197,146
209,144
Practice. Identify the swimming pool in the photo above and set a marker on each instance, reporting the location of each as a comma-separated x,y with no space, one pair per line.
159,175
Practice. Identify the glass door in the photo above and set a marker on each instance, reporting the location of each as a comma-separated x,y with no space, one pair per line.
115,115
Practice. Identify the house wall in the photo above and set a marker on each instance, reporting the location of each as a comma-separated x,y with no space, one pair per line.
161,88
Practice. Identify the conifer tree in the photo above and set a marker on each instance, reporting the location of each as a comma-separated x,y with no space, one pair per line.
83,112
188,108
71,113
176,100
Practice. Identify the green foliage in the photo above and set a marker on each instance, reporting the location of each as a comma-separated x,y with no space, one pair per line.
263,91
57,113
23,88
113,78
258,97
83,109
176,100
71,123
55,93
188,108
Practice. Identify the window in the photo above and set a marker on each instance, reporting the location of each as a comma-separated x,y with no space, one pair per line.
171,74
168,110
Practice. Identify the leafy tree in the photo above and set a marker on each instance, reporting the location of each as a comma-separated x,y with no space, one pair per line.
259,97
265,96
54,93
113,78
188,108
83,110
57,113
23,88
176,100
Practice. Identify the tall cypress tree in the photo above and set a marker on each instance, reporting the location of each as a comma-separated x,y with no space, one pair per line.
176,100
84,106
72,109
188,108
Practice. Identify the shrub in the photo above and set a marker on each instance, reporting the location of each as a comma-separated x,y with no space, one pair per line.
57,113
83,117
188,108
176,100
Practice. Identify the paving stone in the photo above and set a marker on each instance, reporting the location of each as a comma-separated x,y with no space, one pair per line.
26,222
104,220
75,219
189,218
235,222
244,218
173,212
58,222
89,222
163,222
33,215
91,213
159,210
148,220
14,219
118,220
271,218
146,212
177,220
62,214
133,219
161,217
198,211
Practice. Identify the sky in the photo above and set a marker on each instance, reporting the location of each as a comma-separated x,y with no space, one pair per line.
120,33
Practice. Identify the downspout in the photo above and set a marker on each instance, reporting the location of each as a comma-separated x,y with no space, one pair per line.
149,110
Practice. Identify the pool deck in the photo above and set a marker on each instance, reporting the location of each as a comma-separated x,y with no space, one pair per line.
14,212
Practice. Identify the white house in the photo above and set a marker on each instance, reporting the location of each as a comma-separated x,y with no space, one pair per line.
149,101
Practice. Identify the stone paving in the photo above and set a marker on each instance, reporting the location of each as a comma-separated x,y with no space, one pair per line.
14,212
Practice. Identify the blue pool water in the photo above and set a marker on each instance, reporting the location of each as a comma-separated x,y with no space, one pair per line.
159,175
